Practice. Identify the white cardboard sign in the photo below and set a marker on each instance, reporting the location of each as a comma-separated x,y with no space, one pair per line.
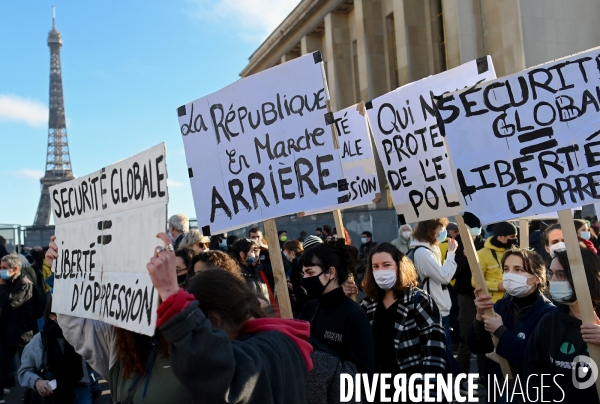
358,161
106,226
411,146
260,148
528,143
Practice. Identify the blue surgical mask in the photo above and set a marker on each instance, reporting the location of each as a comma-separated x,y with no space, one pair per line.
4,274
223,243
363,240
250,260
442,236
475,231
586,235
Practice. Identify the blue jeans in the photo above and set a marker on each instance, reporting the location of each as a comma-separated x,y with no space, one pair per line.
83,395
446,323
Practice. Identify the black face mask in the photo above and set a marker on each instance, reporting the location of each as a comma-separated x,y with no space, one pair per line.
313,286
510,242
53,329
181,279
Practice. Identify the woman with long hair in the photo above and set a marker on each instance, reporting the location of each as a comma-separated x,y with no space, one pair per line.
518,313
560,338
427,258
338,324
223,348
137,367
407,326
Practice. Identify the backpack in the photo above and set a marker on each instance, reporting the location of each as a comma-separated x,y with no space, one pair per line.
411,254
452,365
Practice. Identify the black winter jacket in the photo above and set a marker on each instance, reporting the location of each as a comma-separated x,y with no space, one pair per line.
17,320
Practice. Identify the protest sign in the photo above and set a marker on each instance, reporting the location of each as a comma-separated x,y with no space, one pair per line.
358,162
528,143
260,148
410,145
106,226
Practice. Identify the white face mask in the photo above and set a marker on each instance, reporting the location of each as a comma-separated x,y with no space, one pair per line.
406,234
385,278
475,231
561,246
560,291
516,285
586,235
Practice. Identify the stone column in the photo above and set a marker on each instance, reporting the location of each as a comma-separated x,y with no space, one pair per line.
370,49
337,56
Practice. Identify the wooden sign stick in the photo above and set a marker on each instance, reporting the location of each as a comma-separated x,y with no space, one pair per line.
281,289
471,255
582,289
524,233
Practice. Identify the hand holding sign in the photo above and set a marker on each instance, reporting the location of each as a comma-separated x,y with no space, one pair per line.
591,332
482,303
162,269
52,252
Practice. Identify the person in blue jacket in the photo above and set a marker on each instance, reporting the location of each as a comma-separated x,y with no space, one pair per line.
518,312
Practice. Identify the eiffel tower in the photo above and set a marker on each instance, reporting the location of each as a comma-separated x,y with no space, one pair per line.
58,161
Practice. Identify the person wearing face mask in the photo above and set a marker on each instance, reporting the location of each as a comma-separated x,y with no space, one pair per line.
282,236
183,258
49,351
517,314
490,256
435,277
246,253
407,329
560,336
402,243
338,325
366,244
18,321
553,241
584,234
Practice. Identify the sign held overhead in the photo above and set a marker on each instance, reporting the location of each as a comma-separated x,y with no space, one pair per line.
528,143
260,147
106,226
410,142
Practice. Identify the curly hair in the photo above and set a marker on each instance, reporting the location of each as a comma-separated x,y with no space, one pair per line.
133,348
425,231
532,263
217,259
406,272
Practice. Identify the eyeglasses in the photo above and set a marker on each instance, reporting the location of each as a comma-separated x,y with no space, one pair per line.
560,274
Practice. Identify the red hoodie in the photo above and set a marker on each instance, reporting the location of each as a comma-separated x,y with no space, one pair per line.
297,330
588,244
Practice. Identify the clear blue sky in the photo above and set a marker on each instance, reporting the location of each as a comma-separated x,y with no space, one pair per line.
126,67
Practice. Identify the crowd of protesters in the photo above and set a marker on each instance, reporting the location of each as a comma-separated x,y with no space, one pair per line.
406,306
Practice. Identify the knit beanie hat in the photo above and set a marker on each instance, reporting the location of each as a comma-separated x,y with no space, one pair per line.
310,241
505,229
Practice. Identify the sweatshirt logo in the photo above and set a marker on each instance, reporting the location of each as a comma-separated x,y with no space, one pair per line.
567,348
333,336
